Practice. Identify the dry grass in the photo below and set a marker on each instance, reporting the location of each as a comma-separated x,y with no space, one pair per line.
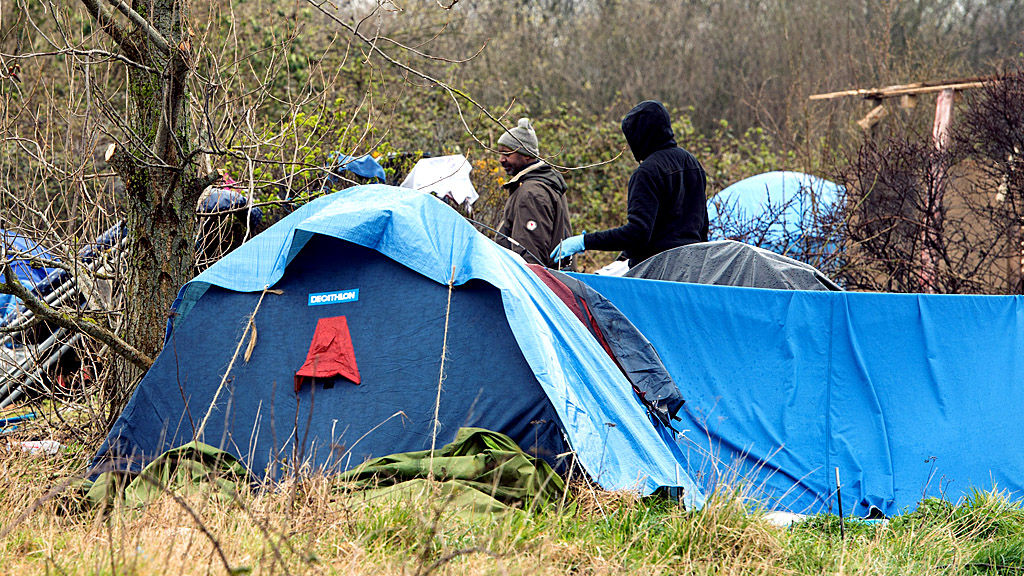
317,526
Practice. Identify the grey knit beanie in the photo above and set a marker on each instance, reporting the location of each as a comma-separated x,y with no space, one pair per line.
521,139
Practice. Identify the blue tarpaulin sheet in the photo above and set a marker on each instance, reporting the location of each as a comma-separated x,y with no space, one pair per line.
28,275
365,166
907,395
614,438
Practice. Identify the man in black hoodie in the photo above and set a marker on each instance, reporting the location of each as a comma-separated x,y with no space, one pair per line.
666,205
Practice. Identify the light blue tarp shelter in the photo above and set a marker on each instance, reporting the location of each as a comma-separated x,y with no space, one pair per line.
908,395
383,257
784,211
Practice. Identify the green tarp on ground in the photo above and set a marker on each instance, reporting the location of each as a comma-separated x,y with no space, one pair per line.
481,470
192,466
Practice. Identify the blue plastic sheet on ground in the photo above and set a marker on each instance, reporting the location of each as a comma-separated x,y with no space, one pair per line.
615,440
908,395
28,275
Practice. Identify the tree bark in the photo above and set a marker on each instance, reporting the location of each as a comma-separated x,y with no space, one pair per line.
161,181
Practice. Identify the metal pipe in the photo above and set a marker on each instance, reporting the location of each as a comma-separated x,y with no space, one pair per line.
41,353
55,298
41,369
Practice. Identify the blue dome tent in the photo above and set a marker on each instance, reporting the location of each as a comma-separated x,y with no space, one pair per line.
790,213
384,279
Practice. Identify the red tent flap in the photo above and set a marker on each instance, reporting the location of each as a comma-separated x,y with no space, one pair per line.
330,353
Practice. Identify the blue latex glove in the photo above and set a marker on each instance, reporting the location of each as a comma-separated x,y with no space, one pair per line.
568,247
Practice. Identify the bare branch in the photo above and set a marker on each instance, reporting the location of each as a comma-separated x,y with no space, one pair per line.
454,93
105,19
76,52
13,286
20,326
141,22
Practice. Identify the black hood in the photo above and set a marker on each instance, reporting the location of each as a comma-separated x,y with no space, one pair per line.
648,129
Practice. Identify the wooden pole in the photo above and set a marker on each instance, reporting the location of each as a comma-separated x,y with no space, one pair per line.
904,89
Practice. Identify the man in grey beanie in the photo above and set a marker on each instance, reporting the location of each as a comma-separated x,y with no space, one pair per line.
536,215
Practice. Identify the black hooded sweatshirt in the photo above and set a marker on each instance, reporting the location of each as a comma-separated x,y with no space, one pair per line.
666,205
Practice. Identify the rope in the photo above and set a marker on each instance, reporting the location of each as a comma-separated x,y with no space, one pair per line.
250,325
440,379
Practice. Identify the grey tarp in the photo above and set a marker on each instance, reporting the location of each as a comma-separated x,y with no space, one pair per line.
731,263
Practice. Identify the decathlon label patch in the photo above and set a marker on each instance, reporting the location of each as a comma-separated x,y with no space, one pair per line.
531,225
338,297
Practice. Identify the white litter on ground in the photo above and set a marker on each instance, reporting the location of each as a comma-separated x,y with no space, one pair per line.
48,447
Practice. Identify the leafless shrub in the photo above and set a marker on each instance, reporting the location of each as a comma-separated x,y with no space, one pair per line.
809,226
920,221
116,115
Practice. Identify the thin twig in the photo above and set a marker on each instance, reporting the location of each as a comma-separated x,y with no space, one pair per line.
75,52
249,325
440,379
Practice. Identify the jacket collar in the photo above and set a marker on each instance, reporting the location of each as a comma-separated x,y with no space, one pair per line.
515,179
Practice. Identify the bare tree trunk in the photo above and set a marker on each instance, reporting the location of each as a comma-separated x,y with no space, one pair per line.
156,163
